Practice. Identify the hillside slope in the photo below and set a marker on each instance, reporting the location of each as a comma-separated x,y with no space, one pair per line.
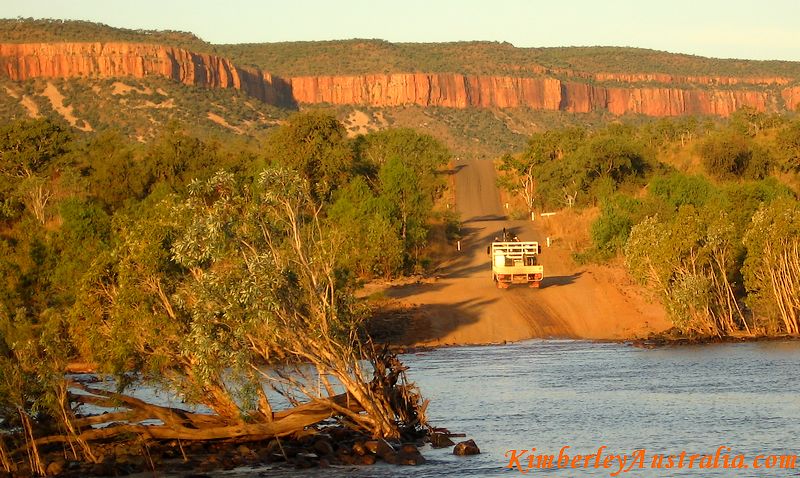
139,108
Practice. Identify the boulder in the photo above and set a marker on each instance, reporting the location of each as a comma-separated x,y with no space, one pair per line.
323,447
440,440
386,451
466,448
56,467
365,460
409,455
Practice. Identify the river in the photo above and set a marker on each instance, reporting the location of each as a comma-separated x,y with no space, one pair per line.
547,394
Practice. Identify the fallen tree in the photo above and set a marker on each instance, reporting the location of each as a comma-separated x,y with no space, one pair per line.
221,296
179,424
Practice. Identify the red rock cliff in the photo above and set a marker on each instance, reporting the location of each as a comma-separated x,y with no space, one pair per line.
438,89
71,60
460,91
791,97
652,94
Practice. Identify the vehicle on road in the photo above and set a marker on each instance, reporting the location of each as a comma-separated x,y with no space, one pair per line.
515,262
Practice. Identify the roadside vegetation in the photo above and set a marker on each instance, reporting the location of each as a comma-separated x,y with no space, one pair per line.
191,264
705,214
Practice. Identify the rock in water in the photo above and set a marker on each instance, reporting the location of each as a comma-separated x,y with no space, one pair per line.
409,455
465,448
440,440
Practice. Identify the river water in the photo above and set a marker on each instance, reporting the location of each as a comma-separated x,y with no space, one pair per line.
547,394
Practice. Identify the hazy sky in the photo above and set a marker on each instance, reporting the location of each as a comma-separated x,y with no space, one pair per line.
765,29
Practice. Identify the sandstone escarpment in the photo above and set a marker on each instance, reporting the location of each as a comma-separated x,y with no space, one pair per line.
791,98
436,89
461,91
651,94
106,60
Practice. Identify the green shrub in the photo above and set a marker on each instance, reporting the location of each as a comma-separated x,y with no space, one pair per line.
679,189
610,231
730,155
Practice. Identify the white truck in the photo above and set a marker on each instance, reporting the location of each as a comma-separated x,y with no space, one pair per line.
515,262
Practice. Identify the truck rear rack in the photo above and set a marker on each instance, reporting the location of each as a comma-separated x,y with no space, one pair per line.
515,262
515,253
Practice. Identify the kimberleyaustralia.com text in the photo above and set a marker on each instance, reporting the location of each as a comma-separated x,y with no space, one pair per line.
525,460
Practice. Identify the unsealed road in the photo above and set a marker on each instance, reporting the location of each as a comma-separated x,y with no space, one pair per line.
464,307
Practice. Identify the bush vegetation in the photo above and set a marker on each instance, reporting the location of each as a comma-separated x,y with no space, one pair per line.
188,263
145,106
365,56
717,242
42,30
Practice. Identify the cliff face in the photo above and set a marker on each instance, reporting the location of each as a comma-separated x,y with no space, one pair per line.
102,60
791,97
459,91
448,90
673,95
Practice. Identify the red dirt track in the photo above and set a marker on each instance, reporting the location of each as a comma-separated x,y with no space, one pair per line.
464,307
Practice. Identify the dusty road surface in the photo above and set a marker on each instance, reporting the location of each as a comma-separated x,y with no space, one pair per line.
463,306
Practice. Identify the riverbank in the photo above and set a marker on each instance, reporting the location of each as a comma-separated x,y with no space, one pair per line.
407,328
317,447
675,338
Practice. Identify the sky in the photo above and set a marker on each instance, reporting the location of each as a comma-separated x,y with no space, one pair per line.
759,30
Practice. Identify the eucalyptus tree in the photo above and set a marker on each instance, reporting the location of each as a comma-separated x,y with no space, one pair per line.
200,293
27,148
772,268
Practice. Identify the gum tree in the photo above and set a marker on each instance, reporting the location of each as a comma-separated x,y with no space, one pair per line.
772,268
201,292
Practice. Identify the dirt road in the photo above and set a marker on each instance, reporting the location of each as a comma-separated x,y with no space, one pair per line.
464,307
